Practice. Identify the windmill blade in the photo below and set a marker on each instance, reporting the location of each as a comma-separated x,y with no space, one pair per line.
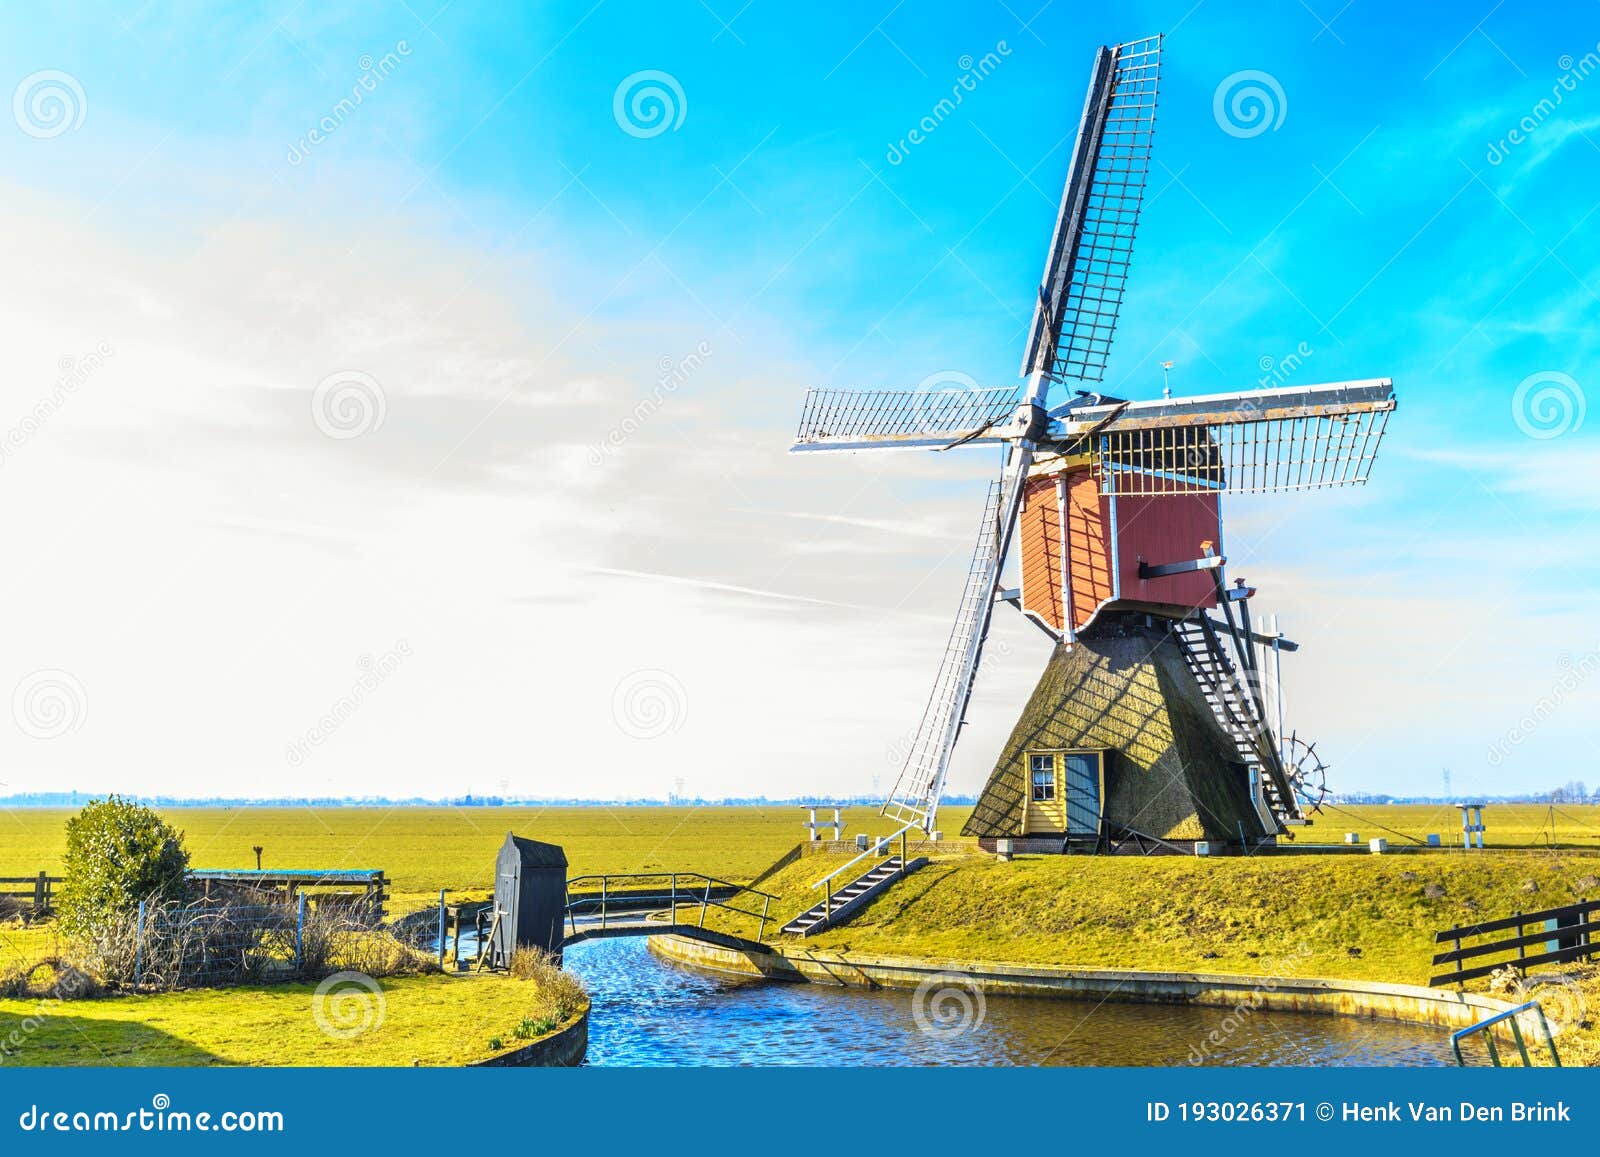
916,794
1256,442
1086,270
905,419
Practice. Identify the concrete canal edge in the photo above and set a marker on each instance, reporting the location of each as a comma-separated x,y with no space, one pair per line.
563,1049
1366,998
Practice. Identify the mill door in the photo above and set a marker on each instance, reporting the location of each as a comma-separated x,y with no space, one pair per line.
1083,782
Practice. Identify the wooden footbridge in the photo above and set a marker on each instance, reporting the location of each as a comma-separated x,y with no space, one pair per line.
658,904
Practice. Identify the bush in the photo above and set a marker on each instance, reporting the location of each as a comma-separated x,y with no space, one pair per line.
118,854
338,940
558,993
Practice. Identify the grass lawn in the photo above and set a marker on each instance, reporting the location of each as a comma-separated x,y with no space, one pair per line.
1279,915
425,849
437,1020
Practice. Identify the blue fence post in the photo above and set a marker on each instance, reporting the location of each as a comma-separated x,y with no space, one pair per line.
441,929
138,948
300,933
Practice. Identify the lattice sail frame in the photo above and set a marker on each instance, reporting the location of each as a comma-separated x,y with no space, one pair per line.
915,797
1086,271
1263,442
903,419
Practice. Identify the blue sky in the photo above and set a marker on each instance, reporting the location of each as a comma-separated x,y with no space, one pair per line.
485,240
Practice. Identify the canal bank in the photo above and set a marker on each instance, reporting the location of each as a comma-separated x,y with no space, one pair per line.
1406,1003
650,1011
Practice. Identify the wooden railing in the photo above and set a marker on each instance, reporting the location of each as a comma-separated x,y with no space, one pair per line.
39,890
1562,935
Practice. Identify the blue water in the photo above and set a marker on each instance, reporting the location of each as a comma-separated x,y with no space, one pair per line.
647,1012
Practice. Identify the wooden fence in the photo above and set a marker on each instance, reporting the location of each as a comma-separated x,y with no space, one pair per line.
1560,936
37,890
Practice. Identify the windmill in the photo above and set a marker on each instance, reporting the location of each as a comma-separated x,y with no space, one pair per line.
1113,506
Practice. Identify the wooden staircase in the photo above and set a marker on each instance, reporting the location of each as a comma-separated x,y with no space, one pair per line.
1237,712
845,902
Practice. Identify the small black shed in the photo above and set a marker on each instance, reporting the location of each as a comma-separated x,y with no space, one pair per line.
530,898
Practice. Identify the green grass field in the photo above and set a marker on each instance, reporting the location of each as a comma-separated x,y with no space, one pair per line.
1349,915
434,1020
425,849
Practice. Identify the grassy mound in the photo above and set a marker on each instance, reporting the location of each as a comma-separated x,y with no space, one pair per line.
1359,917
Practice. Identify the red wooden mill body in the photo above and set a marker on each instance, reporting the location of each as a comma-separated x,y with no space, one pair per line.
1070,575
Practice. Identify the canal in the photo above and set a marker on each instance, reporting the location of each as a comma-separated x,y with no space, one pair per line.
647,1012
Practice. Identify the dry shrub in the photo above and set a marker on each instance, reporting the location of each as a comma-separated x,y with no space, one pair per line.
49,979
558,994
336,939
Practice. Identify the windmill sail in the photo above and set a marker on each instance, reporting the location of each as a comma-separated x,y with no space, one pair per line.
1259,442
904,419
915,798
1086,270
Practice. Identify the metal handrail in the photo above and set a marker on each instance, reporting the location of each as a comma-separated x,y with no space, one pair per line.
872,847
699,890
1510,1014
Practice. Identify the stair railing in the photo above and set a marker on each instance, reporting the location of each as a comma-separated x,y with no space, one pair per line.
1512,1015
872,848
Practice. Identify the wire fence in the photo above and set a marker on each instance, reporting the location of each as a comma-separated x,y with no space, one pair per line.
164,946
